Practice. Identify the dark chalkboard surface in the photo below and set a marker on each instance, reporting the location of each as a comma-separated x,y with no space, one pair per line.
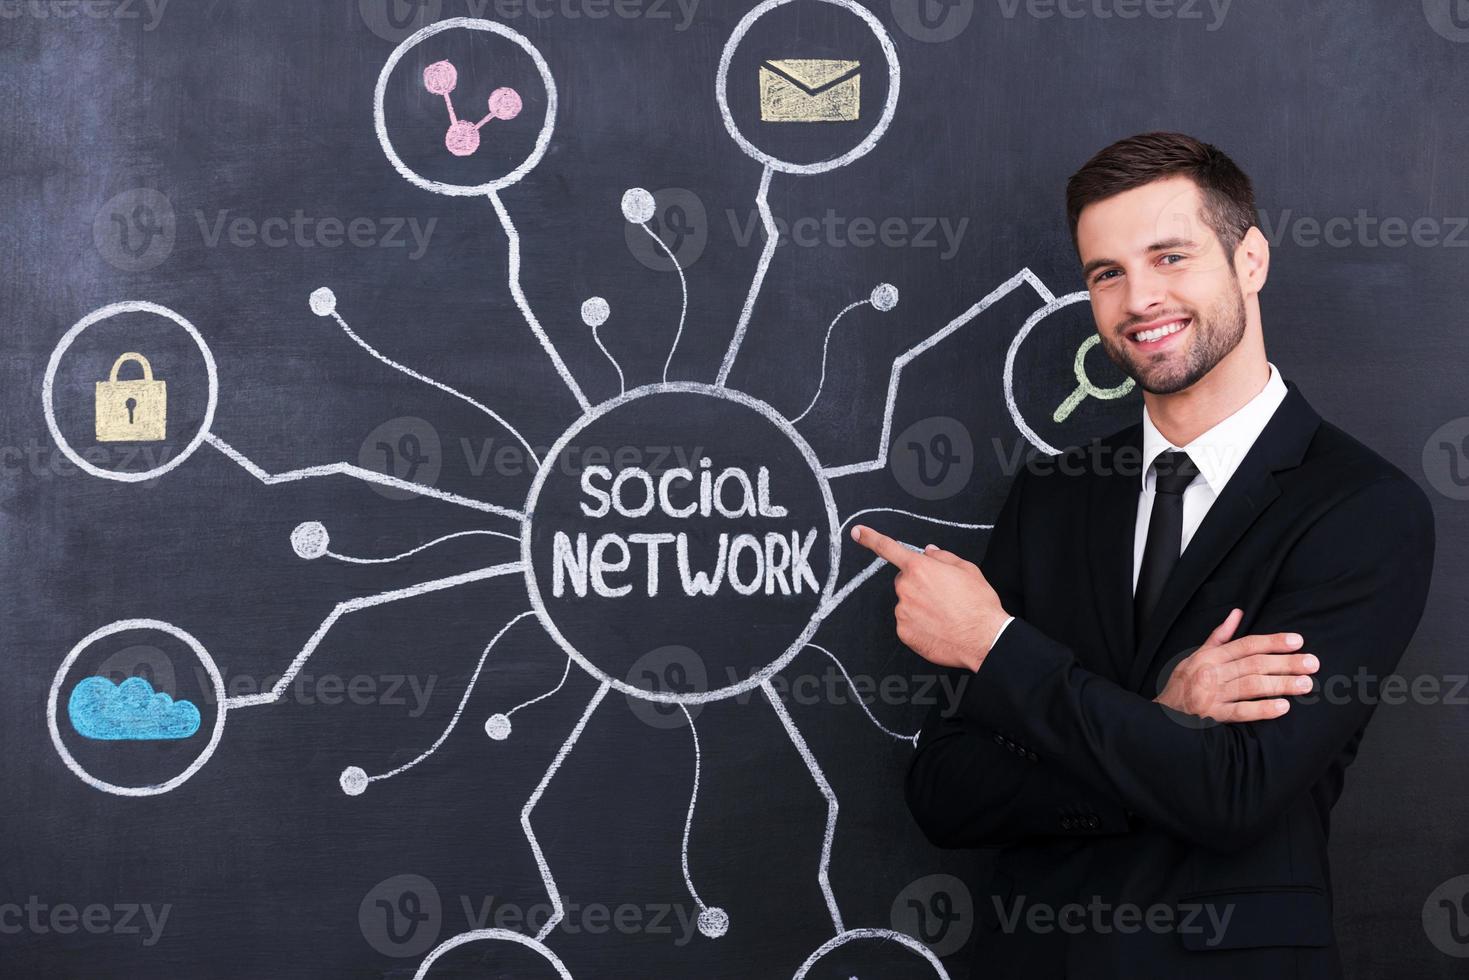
461,590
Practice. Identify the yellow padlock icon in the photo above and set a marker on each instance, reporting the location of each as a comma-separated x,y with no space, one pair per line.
131,411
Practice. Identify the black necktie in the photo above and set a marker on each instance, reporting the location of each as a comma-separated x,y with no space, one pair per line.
1173,472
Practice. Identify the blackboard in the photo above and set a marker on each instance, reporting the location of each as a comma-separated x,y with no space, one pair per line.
483,287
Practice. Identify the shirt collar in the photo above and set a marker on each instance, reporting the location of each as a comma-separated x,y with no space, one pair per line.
1219,451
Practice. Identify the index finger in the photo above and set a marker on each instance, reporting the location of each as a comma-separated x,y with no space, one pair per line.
883,546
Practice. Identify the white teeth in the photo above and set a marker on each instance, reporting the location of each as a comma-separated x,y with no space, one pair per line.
1145,336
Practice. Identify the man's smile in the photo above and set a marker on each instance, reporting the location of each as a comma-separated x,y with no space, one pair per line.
1156,334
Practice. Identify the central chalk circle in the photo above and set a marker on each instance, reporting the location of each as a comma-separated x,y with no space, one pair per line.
681,513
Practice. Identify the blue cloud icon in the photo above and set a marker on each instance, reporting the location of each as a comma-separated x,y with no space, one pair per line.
101,709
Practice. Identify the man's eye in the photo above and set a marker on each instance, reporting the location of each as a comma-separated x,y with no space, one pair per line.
1173,258
1108,274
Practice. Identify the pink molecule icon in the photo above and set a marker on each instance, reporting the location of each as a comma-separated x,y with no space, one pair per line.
462,138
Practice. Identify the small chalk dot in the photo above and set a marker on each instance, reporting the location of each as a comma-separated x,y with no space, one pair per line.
310,540
323,301
595,311
884,296
354,781
638,205
497,726
713,922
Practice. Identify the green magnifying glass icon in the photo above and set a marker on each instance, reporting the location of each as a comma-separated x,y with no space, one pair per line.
1084,386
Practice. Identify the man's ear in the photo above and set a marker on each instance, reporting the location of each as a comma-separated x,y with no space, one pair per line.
1252,261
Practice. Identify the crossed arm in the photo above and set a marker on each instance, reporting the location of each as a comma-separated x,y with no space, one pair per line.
1114,751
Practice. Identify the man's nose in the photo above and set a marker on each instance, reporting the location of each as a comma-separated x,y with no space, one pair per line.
1146,293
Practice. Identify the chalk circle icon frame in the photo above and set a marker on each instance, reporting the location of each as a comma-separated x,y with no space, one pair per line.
889,108
832,530
380,124
122,626
48,383
481,935
885,935
1056,305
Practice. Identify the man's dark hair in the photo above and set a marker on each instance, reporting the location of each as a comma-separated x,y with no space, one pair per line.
1228,196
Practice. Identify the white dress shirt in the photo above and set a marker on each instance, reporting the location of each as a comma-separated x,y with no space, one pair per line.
1217,453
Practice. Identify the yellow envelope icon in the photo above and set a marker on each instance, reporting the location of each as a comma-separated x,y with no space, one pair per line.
810,90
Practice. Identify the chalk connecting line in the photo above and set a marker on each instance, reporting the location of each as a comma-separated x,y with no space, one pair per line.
877,462
357,473
354,605
767,222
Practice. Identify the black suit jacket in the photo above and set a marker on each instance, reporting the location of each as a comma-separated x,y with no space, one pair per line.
1141,843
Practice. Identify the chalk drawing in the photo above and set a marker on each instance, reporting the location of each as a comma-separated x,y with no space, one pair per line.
131,411
354,779
808,90
1022,278
462,137
48,386
323,303
594,313
772,163
1052,305
1084,386
910,739
883,935
639,207
884,297
216,691
713,921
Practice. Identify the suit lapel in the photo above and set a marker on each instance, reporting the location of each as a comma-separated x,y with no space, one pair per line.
1112,516
1250,490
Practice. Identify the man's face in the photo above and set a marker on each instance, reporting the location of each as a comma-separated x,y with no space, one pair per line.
1165,296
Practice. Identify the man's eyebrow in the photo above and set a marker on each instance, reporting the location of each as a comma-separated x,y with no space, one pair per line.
1172,243
1094,265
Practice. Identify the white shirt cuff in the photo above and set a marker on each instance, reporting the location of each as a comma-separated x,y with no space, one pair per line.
1001,631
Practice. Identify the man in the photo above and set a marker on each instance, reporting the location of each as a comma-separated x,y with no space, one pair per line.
1160,791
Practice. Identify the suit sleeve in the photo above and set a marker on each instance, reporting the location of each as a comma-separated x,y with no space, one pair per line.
1354,586
972,783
